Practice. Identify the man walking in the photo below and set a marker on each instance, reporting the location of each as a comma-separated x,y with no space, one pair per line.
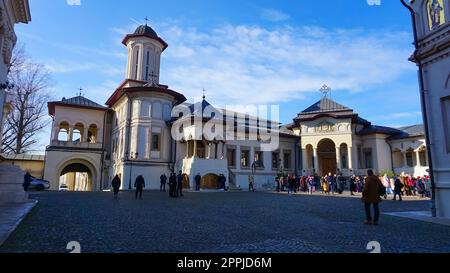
371,195
198,179
180,184
163,179
139,184
398,185
115,183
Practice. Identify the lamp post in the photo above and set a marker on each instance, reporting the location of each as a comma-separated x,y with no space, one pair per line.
131,158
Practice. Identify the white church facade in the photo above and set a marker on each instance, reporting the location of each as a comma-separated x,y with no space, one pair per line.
146,128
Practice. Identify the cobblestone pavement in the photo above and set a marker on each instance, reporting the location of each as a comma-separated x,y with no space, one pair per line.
219,222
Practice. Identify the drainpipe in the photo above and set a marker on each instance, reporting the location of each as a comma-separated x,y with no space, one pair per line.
392,156
424,110
103,149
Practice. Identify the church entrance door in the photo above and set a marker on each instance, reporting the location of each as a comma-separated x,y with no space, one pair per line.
327,157
210,181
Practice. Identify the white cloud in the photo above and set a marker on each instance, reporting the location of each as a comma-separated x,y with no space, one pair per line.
238,63
274,15
73,2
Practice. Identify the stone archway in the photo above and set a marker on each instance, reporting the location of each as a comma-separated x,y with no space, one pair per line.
210,182
326,152
77,177
78,174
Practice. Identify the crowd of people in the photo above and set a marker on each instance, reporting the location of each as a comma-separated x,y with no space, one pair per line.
175,182
401,185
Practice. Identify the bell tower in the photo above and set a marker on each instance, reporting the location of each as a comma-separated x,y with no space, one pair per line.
144,54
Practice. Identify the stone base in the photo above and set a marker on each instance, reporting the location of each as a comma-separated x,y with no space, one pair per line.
11,185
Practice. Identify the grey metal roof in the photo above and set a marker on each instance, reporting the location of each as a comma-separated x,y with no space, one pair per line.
23,157
145,30
410,131
373,129
325,105
81,101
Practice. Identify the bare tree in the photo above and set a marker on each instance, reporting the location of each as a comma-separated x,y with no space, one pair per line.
29,83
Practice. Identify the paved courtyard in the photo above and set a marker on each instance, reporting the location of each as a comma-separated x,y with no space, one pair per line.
219,222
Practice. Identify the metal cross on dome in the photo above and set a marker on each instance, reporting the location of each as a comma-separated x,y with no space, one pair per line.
80,93
146,20
325,90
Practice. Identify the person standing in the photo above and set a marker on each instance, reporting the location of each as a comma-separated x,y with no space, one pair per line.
180,184
311,184
139,184
371,196
115,183
163,179
198,180
352,184
222,181
172,182
251,181
398,189
26,181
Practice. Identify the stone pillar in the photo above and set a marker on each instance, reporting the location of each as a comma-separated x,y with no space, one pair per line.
281,158
316,160
224,151
338,158
350,158
405,164
252,156
208,150
85,135
304,160
70,134
417,159
238,157
55,133
195,148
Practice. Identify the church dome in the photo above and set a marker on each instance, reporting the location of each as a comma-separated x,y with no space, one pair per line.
146,30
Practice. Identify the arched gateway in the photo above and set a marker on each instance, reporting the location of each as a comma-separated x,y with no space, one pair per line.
327,157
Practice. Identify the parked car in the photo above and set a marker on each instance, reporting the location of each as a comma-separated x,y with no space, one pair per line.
63,187
38,184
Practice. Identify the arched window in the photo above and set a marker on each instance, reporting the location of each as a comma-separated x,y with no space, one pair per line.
92,133
147,65
63,133
136,63
78,131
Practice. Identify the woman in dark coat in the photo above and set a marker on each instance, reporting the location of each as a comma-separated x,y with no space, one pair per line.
116,185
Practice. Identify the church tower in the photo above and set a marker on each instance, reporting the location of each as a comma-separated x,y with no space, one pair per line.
144,54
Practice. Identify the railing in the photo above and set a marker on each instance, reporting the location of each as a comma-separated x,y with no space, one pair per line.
71,144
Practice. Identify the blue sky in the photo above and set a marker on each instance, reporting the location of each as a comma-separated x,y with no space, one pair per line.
241,52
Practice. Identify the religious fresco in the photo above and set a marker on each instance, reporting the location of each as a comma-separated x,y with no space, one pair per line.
436,13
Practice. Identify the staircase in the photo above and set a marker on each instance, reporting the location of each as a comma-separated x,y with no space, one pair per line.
232,181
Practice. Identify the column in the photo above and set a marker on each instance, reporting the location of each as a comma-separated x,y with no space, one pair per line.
349,155
208,150
70,134
304,160
417,159
338,158
195,148
238,157
252,155
224,151
187,149
405,165
55,133
85,134
281,158
316,160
